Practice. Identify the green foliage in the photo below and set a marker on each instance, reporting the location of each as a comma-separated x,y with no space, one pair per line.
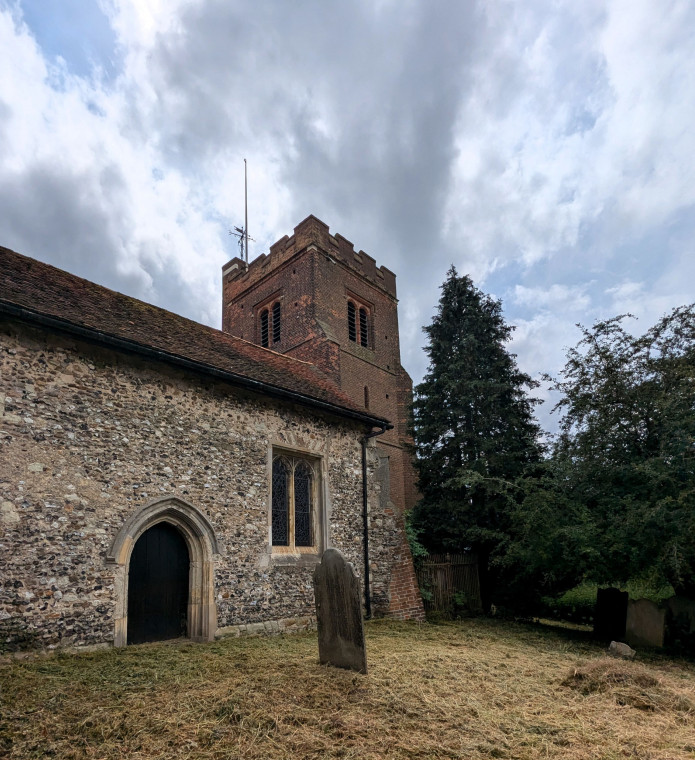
473,428
626,451
614,501
578,603
417,550
551,545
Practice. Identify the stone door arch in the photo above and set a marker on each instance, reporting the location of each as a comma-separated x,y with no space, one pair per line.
202,547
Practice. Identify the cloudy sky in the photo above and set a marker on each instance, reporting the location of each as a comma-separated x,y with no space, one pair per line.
546,148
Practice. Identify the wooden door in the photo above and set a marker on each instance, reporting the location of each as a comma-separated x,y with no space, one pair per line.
158,586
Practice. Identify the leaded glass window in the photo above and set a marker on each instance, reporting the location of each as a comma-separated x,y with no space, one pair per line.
294,494
281,502
302,505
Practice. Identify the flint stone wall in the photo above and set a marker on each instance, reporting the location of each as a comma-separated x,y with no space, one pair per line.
88,436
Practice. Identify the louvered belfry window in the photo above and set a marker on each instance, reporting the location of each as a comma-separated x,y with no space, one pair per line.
293,502
352,327
364,327
276,322
358,323
271,324
264,328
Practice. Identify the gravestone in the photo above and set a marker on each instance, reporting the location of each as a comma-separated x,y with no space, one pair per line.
680,624
339,613
611,614
645,624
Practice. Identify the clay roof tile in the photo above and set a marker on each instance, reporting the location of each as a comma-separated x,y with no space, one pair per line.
45,290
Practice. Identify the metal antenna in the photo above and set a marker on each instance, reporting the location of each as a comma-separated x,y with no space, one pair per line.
243,232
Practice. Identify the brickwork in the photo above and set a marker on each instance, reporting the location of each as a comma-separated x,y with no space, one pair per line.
90,436
315,274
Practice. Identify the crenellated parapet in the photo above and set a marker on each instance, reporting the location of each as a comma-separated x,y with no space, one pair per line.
310,232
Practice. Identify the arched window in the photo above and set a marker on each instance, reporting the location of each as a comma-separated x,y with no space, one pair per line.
364,327
264,328
359,329
281,502
293,502
276,322
352,327
270,324
302,505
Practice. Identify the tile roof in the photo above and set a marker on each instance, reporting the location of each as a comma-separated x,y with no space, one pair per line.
45,291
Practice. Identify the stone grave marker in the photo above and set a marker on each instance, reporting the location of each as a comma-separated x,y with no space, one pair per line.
610,614
339,613
645,624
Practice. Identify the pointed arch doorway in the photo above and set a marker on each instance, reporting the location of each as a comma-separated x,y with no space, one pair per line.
158,585
163,560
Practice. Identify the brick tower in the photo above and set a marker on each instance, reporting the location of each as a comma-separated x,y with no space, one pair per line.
315,298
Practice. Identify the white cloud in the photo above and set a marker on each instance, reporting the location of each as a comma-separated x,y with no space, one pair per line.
545,148
627,297
559,297
63,130
578,119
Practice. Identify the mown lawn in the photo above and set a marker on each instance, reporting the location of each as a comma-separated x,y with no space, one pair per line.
475,689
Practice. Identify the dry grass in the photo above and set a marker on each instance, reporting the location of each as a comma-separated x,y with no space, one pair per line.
477,689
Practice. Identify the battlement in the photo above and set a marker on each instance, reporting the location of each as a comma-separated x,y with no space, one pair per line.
310,232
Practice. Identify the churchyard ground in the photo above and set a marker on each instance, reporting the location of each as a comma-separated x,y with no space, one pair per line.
472,689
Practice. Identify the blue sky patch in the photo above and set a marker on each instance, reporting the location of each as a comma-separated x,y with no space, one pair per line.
75,30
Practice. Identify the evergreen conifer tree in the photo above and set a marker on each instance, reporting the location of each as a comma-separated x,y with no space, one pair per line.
473,429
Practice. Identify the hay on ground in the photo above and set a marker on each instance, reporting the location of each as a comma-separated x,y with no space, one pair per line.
475,689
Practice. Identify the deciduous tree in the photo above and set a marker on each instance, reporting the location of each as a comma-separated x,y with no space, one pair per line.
627,446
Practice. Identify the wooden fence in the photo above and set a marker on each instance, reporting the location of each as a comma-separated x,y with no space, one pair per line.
450,582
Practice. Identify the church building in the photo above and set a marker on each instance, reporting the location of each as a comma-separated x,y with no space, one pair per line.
159,478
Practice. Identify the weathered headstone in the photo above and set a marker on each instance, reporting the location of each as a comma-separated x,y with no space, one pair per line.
645,624
611,614
680,624
339,613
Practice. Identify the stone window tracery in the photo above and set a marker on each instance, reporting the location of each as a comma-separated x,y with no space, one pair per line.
294,503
